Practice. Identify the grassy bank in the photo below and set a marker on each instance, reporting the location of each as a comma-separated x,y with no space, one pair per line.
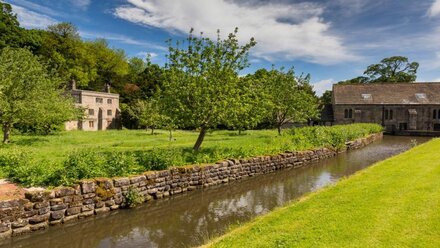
66,157
394,203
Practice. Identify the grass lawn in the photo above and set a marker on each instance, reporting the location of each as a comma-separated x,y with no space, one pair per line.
395,203
56,147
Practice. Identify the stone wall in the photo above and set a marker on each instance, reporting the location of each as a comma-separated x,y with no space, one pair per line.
42,208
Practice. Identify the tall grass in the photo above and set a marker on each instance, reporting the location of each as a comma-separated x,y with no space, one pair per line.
30,169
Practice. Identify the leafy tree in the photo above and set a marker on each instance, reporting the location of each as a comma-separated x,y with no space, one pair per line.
111,65
291,97
10,31
28,94
200,89
326,98
393,69
147,113
68,54
251,105
396,69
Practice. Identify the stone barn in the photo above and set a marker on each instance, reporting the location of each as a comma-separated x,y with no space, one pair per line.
402,108
101,110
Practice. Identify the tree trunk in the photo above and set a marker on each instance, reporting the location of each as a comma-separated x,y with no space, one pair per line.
200,139
152,130
279,129
239,132
6,132
171,134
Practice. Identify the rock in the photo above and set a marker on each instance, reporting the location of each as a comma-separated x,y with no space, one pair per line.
102,210
86,214
86,208
40,226
114,207
19,223
39,205
55,222
37,195
123,181
21,231
88,187
73,211
58,207
69,218
137,179
4,227
57,215
64,191
38,219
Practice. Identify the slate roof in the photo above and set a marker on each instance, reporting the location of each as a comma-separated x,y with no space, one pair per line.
396,93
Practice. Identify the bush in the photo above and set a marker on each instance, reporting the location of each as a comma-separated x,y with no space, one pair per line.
133,198
85,164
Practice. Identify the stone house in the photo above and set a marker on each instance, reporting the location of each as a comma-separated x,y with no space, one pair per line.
101,110
402,108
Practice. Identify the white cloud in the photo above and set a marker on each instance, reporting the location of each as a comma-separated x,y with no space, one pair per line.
82,4
321,86
122,39
283,31
435,9
143,55
31,19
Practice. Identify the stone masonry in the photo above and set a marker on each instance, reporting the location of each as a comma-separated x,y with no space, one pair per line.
43,208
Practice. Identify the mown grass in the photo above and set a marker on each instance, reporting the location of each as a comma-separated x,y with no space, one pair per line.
68,156
394,203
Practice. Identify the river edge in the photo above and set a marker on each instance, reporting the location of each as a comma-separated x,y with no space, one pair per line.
378,206
42,208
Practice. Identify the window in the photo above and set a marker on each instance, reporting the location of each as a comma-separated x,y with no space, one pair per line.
348,113
388,115
366,97
98,100
91,124
109,112
109,101
434,114
91,112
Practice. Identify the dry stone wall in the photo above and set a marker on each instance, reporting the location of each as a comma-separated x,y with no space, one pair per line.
42,208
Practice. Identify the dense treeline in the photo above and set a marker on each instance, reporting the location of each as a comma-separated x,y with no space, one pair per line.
200,86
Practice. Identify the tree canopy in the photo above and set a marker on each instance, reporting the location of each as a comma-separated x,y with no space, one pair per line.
396,69
201,85
29,95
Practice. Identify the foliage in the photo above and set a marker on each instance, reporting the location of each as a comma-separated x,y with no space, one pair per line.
36,164
29,95
326,98
391,204
146,113
396,69
201,83
291,97
133,197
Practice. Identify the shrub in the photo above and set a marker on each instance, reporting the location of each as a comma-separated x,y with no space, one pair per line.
133,198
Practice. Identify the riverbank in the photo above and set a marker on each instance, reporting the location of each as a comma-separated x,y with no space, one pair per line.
42,208
394,203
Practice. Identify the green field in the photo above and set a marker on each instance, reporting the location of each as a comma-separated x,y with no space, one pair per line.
395,203
66,157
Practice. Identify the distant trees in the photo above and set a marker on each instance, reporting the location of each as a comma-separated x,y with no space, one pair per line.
29,95
202,84
396,69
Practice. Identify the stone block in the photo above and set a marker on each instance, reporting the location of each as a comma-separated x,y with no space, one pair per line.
64,191
86,214
21,231
40,226
87,187
39,205
38,219
19,223
123,181
4,227
73,211
102,210
88,207
57,215
69,218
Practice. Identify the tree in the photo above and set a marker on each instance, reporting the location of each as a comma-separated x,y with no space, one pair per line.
201,82
292,97
72,59
251,105
10,31
28,94
393,69
147,113
326,98
111,65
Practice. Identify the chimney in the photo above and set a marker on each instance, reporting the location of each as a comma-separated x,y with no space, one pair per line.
73,84
107,88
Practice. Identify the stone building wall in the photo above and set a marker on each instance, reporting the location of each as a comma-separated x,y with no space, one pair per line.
400,121
42,208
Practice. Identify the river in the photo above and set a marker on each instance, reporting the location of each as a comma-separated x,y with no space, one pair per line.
190,219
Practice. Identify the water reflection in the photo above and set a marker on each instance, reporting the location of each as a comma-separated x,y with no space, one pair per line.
192,218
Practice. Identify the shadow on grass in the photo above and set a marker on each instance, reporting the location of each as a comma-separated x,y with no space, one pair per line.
29,141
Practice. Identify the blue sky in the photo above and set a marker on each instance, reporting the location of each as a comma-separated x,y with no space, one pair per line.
332,40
